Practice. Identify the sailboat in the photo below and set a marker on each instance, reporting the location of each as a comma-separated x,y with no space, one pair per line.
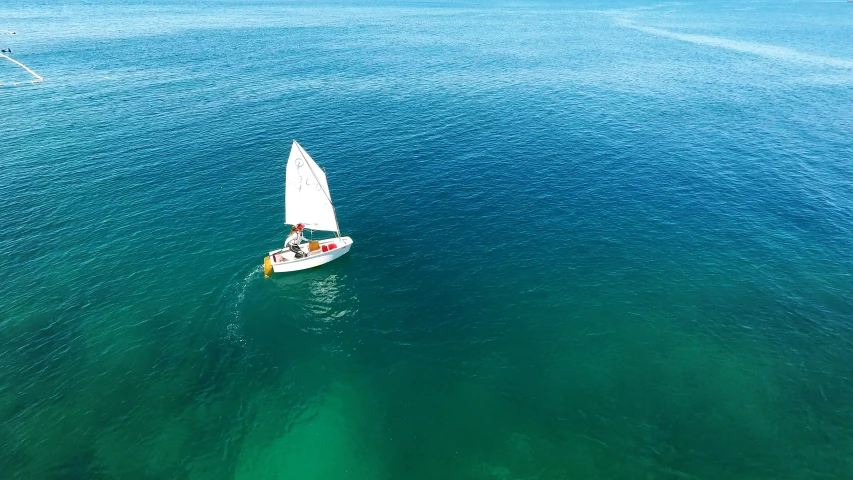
307,201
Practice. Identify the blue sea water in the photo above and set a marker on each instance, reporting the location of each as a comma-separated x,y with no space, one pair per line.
593,240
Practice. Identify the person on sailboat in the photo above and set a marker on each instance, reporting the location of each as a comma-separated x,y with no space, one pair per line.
294,239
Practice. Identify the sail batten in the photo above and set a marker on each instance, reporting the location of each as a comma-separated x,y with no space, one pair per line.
306,193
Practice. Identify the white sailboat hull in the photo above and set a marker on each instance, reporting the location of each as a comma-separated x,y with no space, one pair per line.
285,260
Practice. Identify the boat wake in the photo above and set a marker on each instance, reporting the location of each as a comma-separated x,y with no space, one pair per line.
36,77
759,49
234,330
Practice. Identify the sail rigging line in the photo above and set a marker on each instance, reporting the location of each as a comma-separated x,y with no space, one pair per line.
320,184
38,78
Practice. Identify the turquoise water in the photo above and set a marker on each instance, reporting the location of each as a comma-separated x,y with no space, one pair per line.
592,241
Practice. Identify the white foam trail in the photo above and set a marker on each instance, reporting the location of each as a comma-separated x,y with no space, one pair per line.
243,285
38,77
234,330
761,49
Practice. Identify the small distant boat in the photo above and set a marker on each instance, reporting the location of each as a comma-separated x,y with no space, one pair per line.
307,202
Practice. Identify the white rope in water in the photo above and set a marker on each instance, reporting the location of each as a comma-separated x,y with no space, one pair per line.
37,77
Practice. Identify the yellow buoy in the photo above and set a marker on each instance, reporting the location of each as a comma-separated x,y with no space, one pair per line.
267,266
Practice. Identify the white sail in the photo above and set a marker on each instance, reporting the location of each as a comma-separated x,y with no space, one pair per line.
306,193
